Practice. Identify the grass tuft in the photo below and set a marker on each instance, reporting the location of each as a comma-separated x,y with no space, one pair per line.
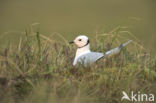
39,69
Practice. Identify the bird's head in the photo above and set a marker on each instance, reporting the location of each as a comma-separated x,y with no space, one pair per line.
81,41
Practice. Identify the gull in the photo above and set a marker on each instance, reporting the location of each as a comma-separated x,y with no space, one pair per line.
86,57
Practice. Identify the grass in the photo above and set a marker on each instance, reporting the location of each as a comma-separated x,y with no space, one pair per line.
39,70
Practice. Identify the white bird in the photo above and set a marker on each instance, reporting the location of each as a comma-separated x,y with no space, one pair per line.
85,56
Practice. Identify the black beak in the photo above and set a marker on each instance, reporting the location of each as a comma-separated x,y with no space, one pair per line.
71,42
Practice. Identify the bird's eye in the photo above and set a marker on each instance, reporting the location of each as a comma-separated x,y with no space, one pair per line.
80,39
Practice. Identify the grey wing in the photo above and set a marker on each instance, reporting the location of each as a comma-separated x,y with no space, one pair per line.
113,51
90,58
116,50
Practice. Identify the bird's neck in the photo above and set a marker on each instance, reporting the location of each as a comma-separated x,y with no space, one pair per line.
83,50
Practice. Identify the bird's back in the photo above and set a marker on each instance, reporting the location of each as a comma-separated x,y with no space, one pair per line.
89,58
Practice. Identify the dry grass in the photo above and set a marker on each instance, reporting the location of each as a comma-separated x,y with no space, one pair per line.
39,70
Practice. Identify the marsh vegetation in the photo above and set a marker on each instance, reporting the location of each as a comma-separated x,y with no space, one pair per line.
36,59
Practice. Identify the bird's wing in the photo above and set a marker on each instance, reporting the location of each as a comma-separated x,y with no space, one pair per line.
116,50
90,58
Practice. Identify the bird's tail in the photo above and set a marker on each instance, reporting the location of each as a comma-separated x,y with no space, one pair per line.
116,50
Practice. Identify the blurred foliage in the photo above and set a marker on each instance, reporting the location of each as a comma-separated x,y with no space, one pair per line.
39,69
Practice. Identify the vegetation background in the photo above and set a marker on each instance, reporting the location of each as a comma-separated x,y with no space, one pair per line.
35,57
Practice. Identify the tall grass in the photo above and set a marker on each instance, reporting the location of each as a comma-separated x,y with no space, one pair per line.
39,70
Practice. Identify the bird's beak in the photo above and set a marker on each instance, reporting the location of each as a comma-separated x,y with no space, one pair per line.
71,42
